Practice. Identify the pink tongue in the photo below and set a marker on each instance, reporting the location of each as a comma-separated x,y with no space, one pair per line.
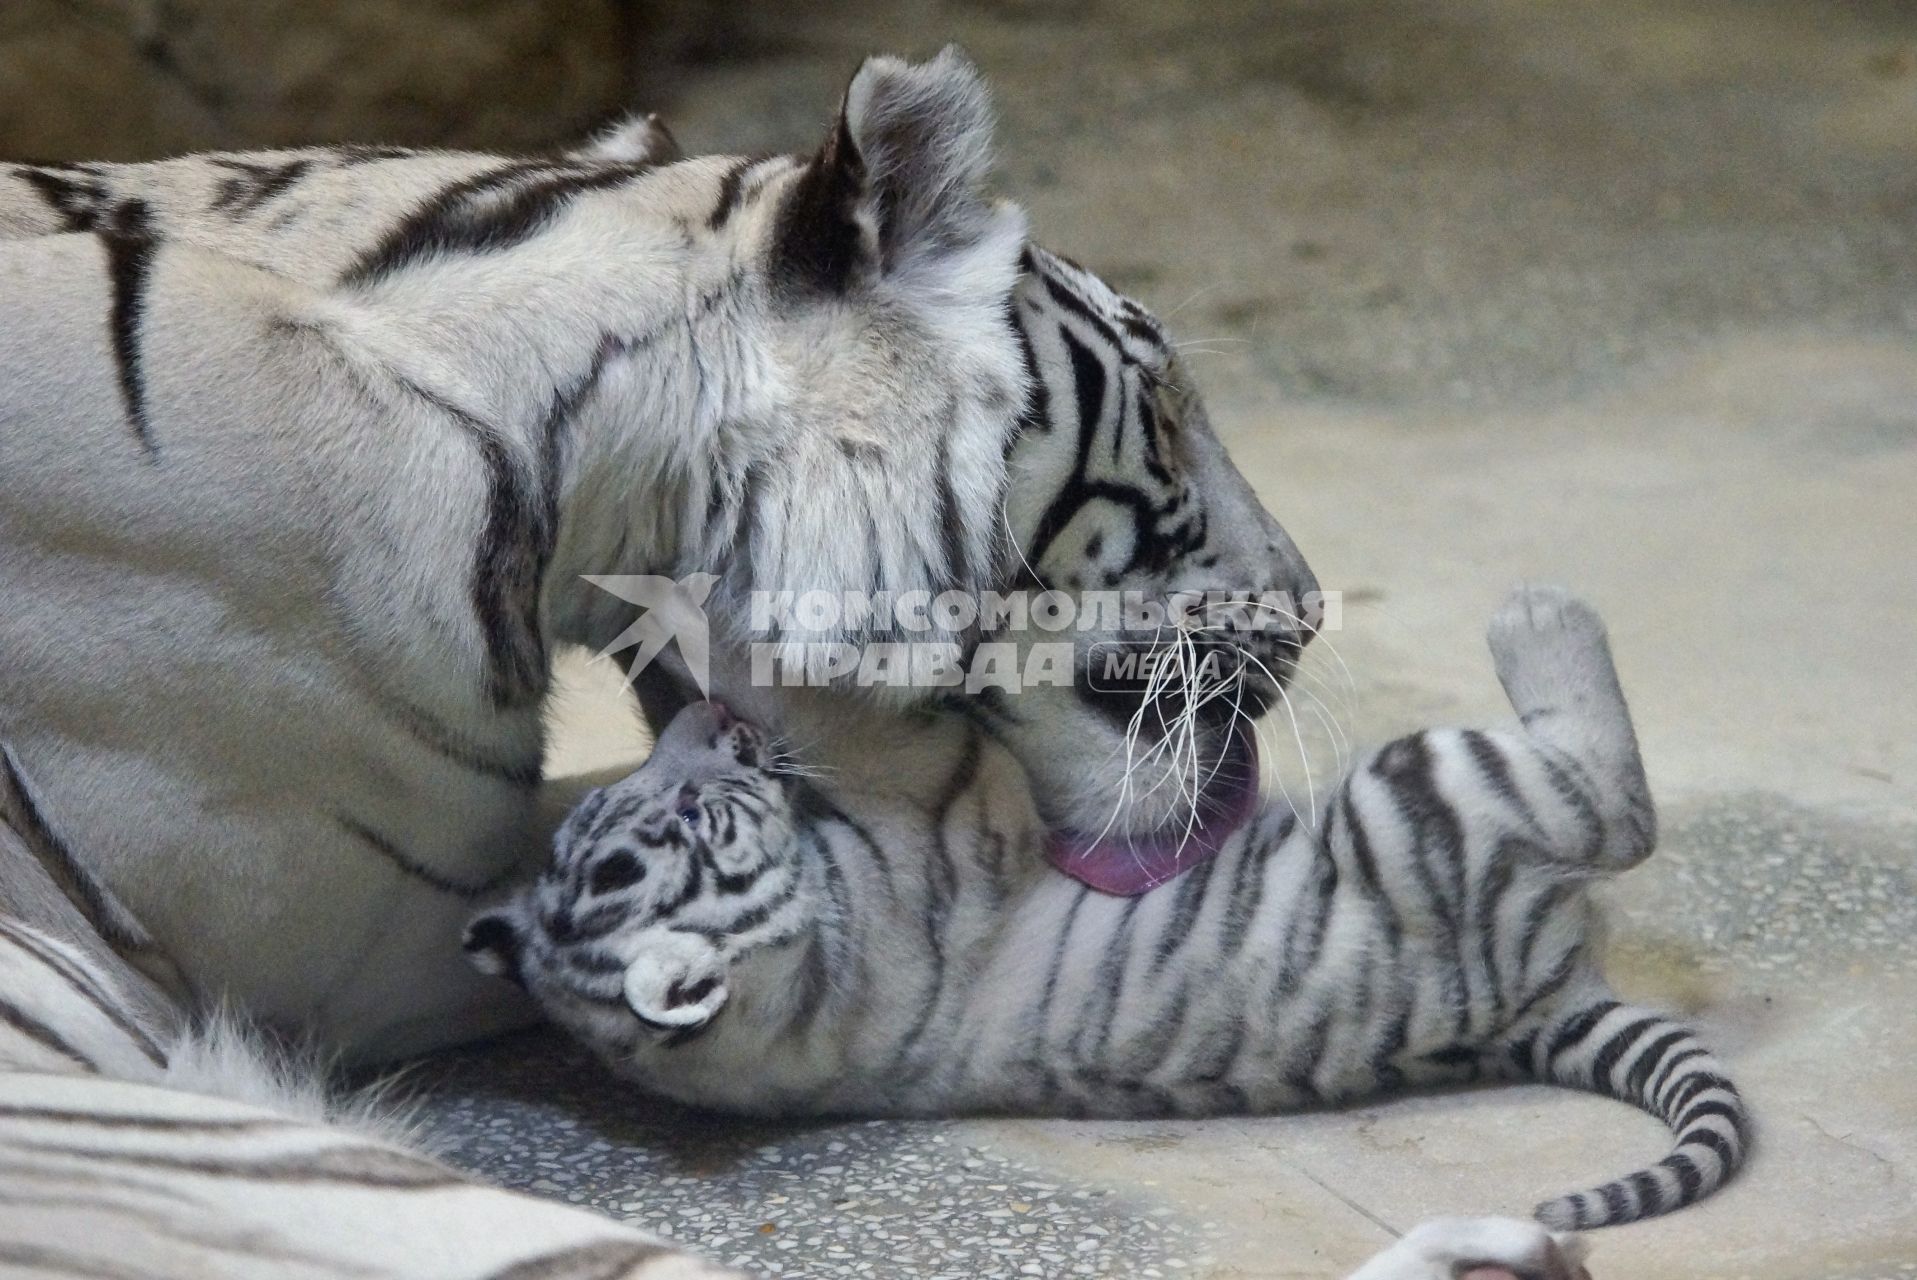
1128,865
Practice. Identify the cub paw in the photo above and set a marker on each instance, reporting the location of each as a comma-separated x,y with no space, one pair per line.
676,982
1479,1249
1537,616
1550,650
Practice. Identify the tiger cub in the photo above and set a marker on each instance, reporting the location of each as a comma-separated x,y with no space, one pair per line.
886,938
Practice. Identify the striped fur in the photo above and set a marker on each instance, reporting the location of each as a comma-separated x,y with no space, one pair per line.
883,938
140,1140
304,456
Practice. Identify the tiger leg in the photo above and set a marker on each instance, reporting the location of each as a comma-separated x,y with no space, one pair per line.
135,1141
1554,662
1587,790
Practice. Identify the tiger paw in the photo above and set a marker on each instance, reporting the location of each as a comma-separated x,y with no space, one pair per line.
1479,1249
675,982
1551,654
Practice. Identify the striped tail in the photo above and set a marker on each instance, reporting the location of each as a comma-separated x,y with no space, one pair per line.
1642,1057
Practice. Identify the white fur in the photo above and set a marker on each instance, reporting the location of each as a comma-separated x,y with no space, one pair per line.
253,656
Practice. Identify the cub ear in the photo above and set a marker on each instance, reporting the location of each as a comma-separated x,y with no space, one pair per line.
636,139
495,945
899,181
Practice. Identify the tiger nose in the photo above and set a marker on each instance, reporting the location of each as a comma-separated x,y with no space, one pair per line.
1307,600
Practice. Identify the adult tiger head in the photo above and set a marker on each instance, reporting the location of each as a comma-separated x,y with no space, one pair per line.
1118,494
1188,603
840,323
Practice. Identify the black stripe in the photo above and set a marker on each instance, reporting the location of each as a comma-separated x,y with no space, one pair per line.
1550,986
1042,1012
42,1034
1649,1191
745,525
1395,1034
1114,958
418,871
1248,889
1071,302
357,153
1555,764
1038,396
1614,1050
487,213
1499,870
151,1124
1165,1035
1615,1205
509,563
1309,1051
1669,1073
79,202
1496,770
1571,1033
1717,1142
1730,1111
1522,1054
1649,1061
1536,916
1225,1056
1689,1179
1185,911
367,1166
250,184
1692,1085
731,194
1303,944
942,886
80,887
1088,380
87,988
1367,863
450,743
958,564
129,246
555,430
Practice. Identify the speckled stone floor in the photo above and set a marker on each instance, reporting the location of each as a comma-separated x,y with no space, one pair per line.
1622,296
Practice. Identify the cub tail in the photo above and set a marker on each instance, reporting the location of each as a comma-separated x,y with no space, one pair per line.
1642,1057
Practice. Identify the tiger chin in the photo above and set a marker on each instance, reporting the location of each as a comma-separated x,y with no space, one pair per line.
732,933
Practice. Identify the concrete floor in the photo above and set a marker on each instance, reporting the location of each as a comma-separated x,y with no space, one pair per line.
1622,296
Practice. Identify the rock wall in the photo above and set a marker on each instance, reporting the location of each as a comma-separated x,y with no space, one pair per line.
131,79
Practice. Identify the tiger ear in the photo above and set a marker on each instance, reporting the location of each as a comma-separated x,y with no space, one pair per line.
494,944
898,183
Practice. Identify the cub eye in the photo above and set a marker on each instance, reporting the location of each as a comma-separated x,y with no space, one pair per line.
616,871
689,812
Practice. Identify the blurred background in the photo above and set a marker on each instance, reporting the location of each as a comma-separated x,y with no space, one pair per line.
1615,293
1473,200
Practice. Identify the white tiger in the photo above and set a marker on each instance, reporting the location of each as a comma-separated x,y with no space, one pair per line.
1117,480
886,938
304,455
